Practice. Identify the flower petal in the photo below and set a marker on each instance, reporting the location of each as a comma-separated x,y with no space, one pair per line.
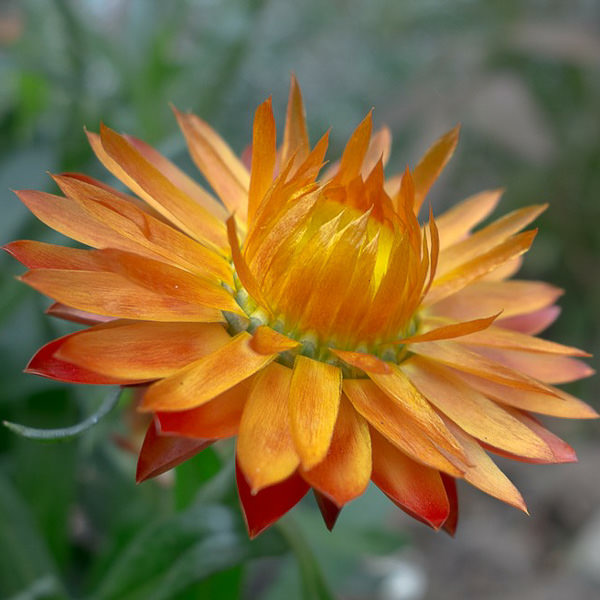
295,135
142,232
399,387
364,362
62,311
143,350
457,356
451,523
328,509
355,151
379,149
415,488
46,364
432,164
219,418
458,278
490,297
158,191
398,426
226,174
499,337
473,412
455,223
206,378
559,404
548,368
169,281
179,178
268,341
484,474
39,255
314,401
113,295
487,238
264,508
161,453
345,472
561,451
264,154
265,449
454,330
532,323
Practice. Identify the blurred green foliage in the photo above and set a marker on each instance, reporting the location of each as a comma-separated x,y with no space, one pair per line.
522,77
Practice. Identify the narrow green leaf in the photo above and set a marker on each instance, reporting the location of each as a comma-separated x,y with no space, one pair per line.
66,433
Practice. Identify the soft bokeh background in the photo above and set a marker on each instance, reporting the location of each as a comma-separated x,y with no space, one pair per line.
523,77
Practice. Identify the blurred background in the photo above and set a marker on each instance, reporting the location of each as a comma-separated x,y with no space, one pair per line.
522,76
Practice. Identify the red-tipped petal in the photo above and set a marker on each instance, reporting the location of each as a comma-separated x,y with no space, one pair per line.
46,364
451,522
330,511
160,453
264,508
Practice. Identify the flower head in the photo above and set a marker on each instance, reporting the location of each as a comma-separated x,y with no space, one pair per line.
310,314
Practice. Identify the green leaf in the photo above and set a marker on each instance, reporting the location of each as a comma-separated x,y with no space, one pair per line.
169,556
314,586
192,474
66,433
25,558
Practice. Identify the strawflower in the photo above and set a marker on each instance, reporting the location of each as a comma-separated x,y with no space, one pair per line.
307,312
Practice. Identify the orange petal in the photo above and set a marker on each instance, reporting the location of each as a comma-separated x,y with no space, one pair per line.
460,277
295,135
206,378
62,311
113,295
397,426
487,238
457,356
314,401
143,232
161,453
559,404
561,451
219,418
262,509
39,255
69,218
490,297
484,474
222,169
379,150
355,151
362,361
243,271
512,340
345,472
268,341
473,412
46,364
455,223
450,331
158,191
432,164
415,488
548,368
169,281
179,178
532,323
144,350
265,449
399,387
264,154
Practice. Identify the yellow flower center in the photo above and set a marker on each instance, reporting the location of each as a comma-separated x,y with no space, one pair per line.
335,274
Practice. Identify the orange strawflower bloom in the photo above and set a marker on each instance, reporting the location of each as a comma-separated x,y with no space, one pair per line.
309,314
